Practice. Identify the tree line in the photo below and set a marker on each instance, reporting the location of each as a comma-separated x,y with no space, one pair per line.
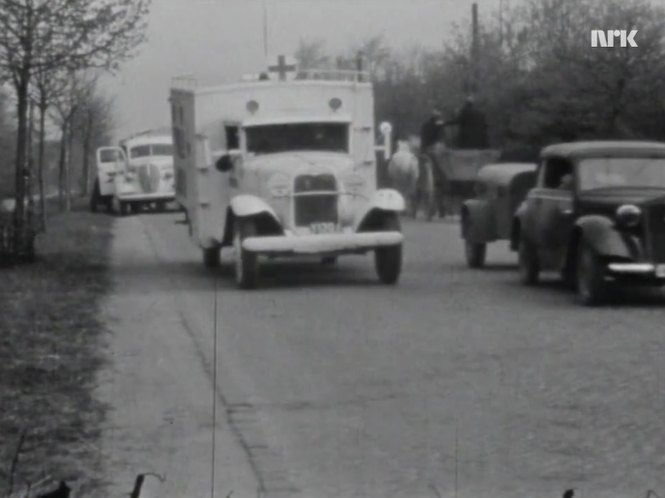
51,55
533,72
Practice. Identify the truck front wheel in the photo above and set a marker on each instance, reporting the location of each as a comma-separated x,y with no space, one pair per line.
388,260
211,257
246,262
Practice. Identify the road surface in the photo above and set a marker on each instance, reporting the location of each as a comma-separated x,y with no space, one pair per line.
458,382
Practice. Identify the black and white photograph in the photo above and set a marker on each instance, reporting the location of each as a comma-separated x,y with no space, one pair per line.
332,248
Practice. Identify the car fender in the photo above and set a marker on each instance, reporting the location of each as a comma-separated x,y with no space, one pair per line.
600,233
384,200
477,224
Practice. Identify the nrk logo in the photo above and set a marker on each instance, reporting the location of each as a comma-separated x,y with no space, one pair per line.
606,38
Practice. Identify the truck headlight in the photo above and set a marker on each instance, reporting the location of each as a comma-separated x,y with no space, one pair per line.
279,185
354,183
628,215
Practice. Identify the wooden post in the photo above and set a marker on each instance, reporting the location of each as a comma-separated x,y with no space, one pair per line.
473,87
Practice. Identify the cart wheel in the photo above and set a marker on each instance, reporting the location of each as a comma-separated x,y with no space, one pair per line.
591,286
528,262
475,254
246,262
388,260
211,257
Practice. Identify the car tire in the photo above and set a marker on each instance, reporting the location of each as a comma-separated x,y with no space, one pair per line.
211,257
475,254
246,262
528,262
591,286
388,260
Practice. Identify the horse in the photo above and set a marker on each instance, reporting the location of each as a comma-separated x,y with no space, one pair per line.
403,171
425,192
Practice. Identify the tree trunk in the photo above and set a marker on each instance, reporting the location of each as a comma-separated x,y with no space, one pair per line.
85,180
19,165
68,163
40,163
62,159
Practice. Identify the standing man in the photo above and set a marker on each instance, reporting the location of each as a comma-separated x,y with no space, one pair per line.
431,135
472,125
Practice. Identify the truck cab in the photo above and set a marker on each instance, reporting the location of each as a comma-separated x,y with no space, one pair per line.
284,168
136,174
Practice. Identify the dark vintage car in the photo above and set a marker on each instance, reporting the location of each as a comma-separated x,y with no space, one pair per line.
596,215
488,217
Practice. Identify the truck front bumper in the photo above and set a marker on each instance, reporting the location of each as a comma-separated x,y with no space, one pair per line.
337,243
637,269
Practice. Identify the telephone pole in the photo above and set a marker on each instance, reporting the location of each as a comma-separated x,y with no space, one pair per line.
473,87
265,28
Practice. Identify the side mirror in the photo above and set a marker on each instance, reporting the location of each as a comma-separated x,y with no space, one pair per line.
386,130
224,163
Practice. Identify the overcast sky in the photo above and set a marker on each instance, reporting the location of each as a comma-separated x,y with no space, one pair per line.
225,38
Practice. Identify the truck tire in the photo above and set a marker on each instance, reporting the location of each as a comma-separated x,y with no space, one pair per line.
95,197
591,286
211,257
246,262
475,254
388,260
528,262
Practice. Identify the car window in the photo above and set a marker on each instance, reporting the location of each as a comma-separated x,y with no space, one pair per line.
612,172
558,173
109,156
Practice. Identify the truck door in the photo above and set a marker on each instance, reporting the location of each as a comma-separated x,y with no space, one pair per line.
110,162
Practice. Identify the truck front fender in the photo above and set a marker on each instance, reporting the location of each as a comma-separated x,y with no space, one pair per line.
250,206
516,226
477,223
600,233
383,201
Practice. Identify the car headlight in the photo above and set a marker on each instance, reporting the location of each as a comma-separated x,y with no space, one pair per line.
279,185
628,215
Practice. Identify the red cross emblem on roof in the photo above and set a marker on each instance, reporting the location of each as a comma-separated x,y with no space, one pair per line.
283,67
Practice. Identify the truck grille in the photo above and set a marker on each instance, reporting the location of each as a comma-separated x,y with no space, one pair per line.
149,178
655,227
318,207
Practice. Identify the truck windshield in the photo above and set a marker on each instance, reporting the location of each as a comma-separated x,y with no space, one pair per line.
152,150
269,139
109,156
606,172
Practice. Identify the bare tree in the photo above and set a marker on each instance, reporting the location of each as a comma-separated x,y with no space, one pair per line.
311,54
45,35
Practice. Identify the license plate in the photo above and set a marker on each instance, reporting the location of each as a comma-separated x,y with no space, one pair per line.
327,227
660,271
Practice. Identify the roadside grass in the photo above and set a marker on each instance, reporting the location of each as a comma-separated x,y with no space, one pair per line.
50,351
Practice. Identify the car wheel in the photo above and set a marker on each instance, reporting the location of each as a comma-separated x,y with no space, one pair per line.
388,260
211,257
246,262
528,263
475,254
591,286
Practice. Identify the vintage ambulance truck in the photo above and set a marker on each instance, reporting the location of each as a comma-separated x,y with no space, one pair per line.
284,167
136,174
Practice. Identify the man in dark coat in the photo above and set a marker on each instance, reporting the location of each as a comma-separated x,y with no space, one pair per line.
472,132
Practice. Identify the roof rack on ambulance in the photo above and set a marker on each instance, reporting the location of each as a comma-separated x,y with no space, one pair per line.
190,82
